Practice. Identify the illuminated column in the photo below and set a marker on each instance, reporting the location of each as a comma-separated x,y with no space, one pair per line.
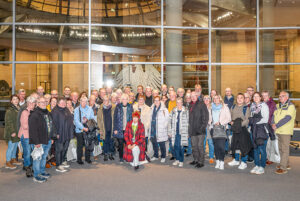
268,49
173,43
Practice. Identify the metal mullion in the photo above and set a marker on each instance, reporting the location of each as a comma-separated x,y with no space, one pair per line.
124,62
89,63
182,27
209,47
257,47
13,83
162,42
51,62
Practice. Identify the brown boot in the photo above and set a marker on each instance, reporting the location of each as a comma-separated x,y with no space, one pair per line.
15,162
9,165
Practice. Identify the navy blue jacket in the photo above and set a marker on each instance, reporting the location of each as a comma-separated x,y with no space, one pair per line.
118,119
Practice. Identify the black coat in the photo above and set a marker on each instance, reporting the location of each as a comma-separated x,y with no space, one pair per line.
63,121
241,139
38,130
198,119
149,101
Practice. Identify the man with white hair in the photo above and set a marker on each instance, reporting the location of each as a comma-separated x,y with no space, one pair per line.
149,97
180,93
283,125
82,114
198,120
164,90
229,98
22,96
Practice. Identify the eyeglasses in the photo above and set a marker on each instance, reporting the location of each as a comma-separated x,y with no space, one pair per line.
282,96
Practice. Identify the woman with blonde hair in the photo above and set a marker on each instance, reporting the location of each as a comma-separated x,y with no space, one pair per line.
220,117
208,138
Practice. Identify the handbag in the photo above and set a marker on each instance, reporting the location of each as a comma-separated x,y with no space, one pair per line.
218,131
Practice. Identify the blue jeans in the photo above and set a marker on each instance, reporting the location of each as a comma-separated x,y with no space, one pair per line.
108,144
11,151
171,148
178,149
26,151
243,159
39,165
210,146
189,148
260,155
162,146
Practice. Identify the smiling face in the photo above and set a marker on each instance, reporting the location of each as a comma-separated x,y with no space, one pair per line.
256,98
15,100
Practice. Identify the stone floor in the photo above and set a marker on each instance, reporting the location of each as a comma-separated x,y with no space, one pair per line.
155,181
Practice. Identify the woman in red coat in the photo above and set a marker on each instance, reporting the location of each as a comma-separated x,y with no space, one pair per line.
134,137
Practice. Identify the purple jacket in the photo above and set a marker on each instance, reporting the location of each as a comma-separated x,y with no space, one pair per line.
272,106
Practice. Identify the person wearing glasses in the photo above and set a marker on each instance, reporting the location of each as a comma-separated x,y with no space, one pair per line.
159,128
40,131
260,132
283,125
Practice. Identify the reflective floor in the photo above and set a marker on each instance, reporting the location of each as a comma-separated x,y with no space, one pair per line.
153,182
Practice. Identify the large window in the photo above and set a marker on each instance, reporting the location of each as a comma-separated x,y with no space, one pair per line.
87,44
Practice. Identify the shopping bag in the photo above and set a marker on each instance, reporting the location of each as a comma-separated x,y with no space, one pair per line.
273,154
71,153
97,150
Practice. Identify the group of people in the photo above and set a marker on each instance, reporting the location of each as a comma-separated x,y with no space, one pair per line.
146,126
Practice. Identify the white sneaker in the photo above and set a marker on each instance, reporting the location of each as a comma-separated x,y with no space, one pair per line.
61,169
233,163
260,170
181,164
154,159
217,164
65,164
163,160
176,163
221,167
242,166
254,170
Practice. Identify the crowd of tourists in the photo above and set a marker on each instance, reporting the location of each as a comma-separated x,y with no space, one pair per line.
45,130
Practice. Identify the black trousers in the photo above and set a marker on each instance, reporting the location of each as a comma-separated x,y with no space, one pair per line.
61,149
80,144
219,148
120,145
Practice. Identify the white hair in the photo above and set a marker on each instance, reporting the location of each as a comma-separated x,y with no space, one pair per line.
31,99
124,96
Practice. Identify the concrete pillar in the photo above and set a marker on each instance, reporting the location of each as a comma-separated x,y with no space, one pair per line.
218,60
60,70
268,48
96,70
174,75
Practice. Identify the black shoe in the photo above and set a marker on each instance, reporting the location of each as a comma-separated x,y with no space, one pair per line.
111,157
250,161
24,168
136,168
80,162
89,162
187,155
172,158
105,157
148,159
28,172
193,163
199,165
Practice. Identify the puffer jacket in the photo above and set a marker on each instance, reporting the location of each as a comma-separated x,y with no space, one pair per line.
118,119
183,125
162,120
145,116
11,116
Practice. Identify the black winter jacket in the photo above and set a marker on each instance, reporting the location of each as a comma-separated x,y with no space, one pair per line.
198,119
38,129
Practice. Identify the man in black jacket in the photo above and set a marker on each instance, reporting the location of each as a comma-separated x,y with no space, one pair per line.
63,122
40,131
198,120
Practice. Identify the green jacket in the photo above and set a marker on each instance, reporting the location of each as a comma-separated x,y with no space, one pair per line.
11,116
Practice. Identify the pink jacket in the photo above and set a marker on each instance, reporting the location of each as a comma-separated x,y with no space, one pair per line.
24,124
225,116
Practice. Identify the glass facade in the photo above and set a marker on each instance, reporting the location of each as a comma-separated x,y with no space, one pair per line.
86,44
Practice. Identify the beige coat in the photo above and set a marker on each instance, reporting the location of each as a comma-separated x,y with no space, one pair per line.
100,120
145,116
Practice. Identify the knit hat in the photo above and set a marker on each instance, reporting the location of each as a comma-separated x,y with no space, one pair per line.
136,114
